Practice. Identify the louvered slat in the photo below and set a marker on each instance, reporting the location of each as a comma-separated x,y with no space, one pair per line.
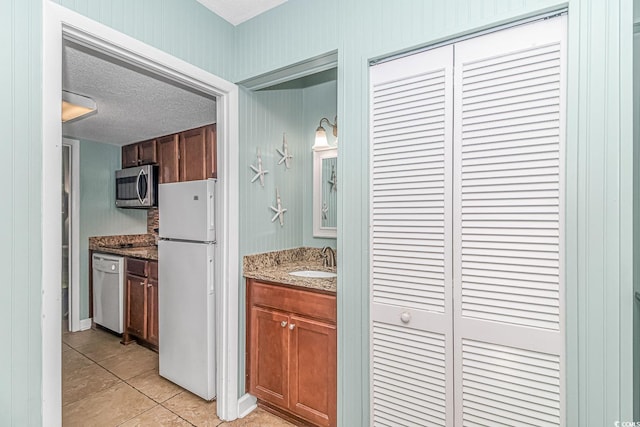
479,145
409,382
507,385
420,162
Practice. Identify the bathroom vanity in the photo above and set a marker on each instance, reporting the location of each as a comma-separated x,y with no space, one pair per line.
291,338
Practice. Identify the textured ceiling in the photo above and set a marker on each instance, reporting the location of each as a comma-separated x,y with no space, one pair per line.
133,104
238,11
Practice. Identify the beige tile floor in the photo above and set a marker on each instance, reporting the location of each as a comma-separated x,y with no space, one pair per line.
107,384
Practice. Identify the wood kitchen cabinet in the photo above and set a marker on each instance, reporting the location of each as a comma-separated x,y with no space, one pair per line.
141,302
140,153
291,351
198,154
168,157
185,156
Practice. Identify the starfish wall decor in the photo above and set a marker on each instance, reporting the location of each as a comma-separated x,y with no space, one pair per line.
286,156
279,210
333,181
260,172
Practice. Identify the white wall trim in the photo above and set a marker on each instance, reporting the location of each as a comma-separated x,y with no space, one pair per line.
85,324
60,23
246,404
74,245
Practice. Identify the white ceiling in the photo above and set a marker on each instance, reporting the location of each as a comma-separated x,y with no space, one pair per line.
238,11
133,105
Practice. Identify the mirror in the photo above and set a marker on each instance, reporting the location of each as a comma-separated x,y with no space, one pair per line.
325,193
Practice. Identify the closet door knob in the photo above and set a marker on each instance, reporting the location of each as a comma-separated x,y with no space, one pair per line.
405,317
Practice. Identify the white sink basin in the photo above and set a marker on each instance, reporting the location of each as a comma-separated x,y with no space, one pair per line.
314,274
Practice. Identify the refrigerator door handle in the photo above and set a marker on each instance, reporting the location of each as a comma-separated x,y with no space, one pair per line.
211,211
210,275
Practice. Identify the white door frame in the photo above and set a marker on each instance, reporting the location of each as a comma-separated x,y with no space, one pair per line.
74,240
60,23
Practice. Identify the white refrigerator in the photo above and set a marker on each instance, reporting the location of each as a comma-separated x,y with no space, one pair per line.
186,285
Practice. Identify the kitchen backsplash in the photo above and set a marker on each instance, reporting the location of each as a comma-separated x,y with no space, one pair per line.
153,221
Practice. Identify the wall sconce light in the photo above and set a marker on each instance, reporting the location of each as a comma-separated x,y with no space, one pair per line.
321,142
76,106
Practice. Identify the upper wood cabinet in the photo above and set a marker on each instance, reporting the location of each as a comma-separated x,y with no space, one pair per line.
193,157
168,156
140,153
186,156
211,147
147,152
130,156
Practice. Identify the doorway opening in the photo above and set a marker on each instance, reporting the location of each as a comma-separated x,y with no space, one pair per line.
60,25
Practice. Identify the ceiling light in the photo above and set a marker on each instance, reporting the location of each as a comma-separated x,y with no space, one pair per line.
76,106
321,142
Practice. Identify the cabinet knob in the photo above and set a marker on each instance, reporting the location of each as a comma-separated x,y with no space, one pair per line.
291,326
405,317
283,323
141,283
149,285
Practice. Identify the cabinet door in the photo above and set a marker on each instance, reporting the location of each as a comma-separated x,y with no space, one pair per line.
152,311
129,156
193,155
136,305
312,370
211,145
147,152
168,157
269,356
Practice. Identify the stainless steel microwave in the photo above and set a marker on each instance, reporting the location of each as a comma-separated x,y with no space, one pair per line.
137,187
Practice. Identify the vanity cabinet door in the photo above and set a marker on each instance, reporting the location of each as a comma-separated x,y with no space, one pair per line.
312,370
136,305
269,356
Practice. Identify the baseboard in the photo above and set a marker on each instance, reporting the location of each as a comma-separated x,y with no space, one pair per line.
85,324
246,405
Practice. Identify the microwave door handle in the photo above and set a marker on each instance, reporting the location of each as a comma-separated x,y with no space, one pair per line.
138,185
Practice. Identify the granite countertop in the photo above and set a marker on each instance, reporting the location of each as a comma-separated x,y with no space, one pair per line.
276,266
130,245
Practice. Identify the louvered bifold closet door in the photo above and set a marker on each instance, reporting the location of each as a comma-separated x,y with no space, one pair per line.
508,207
411,268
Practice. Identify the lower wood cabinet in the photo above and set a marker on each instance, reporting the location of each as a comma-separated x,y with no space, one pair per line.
141,302
291,351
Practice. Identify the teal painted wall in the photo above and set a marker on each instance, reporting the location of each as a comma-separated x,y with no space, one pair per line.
20,218
318,101
599,191
599,166
185,29
98,213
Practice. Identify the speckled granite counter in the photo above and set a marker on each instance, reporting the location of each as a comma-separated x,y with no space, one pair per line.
276,266
130,245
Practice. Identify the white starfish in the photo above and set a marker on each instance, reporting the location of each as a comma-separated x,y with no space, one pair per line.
325,209
258,170
286,156
334,179
279,210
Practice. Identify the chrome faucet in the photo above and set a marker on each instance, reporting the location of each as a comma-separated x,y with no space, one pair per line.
328,257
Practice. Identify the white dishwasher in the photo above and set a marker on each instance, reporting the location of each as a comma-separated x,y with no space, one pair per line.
108,288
